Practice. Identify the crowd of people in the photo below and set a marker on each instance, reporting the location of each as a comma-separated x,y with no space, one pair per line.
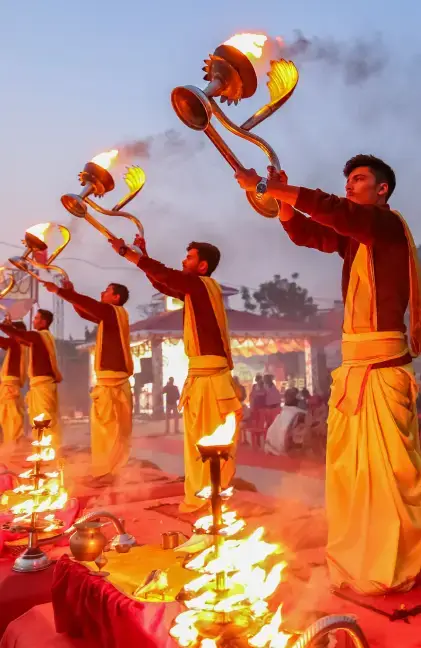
282,421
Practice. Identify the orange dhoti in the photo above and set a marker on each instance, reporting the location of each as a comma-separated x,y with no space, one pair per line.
207,399
42,398
111,425
373,479
11,410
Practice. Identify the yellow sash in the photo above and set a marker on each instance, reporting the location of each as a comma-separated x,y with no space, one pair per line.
191,339
50,345
414,291
4,374
124,331
362,345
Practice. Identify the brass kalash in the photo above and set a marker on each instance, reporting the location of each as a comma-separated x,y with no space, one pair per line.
232,77
33,258
97,181
228,604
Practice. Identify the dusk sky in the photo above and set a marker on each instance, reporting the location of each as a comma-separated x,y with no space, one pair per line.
79,78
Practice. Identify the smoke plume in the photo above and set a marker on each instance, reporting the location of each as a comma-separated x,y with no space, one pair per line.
163,145
357,61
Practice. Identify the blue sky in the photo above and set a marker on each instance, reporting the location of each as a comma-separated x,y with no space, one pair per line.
78,78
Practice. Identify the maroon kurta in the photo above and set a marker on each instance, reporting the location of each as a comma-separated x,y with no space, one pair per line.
175,283
14,357
340,225
41,364
112,354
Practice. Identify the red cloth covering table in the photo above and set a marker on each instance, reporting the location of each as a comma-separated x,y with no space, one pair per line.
35,629
103,611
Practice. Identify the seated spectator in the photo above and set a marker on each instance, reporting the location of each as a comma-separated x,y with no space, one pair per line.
280,436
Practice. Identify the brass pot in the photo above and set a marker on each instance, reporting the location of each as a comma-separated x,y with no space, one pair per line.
172,539
87,542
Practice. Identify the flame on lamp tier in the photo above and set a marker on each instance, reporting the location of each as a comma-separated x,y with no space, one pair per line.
39,231
223,435
106,159
44,494
249,44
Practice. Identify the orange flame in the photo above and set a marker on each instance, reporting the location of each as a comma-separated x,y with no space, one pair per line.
249,44
105,159
222,436
39,231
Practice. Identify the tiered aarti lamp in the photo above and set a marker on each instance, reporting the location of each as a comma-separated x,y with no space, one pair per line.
227,604
231,76
97,181
41,493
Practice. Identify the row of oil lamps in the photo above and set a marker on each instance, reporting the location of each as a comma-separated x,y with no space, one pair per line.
231,77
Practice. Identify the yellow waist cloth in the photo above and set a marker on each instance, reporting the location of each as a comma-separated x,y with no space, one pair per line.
360,351
111,378
207,366
10,380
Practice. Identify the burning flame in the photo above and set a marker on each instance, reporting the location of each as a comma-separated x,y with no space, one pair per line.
45,493
105,159
222,436
249,44
39,231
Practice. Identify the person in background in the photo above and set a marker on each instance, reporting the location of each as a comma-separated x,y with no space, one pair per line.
240,389
43,372
112,404
273,400
258,402
303,398
12,378
280,436
172,394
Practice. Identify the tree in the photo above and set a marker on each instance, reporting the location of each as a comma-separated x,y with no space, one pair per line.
280,298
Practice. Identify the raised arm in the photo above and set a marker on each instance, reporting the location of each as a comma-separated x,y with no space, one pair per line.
170,281
5,343
165,290
87,307
364,223
24,337
304,232
87,316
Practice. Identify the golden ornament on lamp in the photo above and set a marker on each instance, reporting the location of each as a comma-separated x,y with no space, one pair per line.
97,181
231,77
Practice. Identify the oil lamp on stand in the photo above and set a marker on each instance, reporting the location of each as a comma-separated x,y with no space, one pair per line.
40,495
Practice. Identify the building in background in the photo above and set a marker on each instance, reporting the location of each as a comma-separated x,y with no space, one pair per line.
293,353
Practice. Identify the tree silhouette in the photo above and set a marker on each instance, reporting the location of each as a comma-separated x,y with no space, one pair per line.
280,298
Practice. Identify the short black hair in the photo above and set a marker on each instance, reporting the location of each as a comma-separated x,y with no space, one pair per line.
207,252
18,324
47,316
121,291
382,171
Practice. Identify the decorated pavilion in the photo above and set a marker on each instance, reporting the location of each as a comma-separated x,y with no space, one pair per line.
158,351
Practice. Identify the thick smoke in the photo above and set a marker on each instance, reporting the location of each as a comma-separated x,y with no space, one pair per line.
163,145
357,61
